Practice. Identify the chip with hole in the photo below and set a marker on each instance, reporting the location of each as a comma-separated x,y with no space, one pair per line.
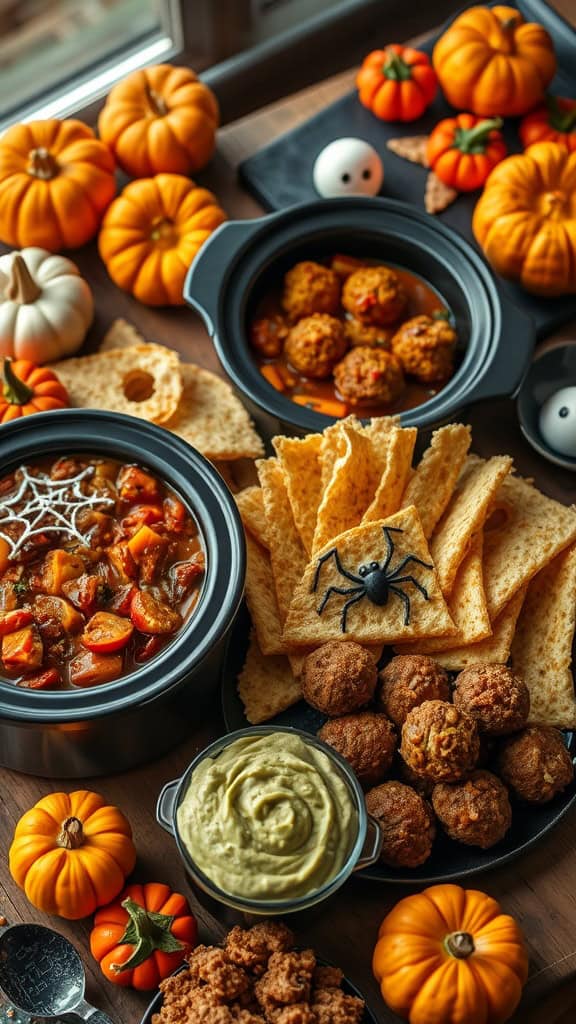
121,334
266,685
432,484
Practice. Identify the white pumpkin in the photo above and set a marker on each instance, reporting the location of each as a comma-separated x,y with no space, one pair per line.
46,307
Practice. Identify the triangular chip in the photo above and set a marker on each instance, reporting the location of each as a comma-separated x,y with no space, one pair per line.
329,447
410,147
495,650
526,530
465,515
542,645
261,598
251,507
350,489
437,195
121,334
300,460
266,685
287,553
330,603
397,451
432,484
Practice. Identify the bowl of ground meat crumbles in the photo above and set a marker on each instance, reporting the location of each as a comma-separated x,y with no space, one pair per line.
360,306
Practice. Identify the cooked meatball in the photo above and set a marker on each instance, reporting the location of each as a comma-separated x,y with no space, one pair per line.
536,764
310,288
425,347
315,344
374,295
475,811
369,375
367,741
498,700
406,823
357,333
439,741
268,334
339,677
408,680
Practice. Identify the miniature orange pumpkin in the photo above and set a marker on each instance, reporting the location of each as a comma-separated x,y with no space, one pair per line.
552,121
449,955
56,180
462,150
29,388
71,853
493,63
397,84
153,231
525,220
160,119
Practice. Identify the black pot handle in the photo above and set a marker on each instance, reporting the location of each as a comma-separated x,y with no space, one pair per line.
206,273
166,806
512,357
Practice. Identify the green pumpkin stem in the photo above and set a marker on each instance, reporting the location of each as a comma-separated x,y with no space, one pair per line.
147,931
15,391
560,120
475,140
396,68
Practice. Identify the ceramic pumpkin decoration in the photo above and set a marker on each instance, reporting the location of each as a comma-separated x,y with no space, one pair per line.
525,220
449,955
71,853
160,119
493,63
462,150
46,306
56,180
27,388
143,936
153,231
552,121
397,84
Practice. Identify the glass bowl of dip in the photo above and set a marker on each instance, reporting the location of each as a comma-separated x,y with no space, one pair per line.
269,821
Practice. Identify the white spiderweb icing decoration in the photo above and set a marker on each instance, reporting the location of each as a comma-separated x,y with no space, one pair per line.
50,506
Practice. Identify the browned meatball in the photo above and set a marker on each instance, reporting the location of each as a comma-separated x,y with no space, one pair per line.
268,334
374,295
315,344
536,764
408,680
439,741
339,677
475,811
369,375
310,288
425,347
367,741
357,333
498,700
406,823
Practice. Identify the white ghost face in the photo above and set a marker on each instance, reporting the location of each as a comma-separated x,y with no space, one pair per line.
348,167
558,421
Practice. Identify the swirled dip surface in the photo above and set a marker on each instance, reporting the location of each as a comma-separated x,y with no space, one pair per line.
268,818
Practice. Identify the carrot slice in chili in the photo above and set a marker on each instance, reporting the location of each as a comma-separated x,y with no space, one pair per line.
272,376
107,633
328,406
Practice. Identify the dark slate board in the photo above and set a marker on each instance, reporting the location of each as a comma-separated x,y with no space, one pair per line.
281,174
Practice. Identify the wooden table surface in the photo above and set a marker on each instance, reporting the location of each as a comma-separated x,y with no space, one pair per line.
540,890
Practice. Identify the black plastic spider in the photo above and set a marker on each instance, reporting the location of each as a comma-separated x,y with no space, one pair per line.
373,581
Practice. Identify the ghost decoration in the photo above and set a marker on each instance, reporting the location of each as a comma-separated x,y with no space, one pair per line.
348,167
558,421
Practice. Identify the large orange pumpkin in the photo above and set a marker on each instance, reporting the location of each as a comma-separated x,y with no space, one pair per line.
153,231
525,220
450,956
493,63
56,180
160,119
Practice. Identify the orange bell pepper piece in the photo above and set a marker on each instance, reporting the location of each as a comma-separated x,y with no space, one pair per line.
143,541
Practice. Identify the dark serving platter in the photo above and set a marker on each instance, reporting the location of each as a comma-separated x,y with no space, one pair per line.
280,175
450,861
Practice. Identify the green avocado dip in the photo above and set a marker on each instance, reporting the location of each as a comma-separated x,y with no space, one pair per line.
269,818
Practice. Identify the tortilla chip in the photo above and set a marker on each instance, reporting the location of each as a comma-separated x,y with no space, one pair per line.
212,419
437,195
367,622
251,507
397,452
350,489
410,147
329,447
300,460
465,515
467,606
261,598
434,480
287,553
121,334
526,530
495,650
542,645
266,686
107,379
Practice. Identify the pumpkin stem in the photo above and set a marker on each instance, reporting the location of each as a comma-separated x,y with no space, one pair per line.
147,931
15,391
396,68
42,164
510,23
71,834
157,102
459,945
561,120
475,140
21,287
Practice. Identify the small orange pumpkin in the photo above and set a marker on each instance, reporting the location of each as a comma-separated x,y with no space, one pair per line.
493,63
153,231
160,119
56,180
397,84
552,121
525,220
449,955
29,388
